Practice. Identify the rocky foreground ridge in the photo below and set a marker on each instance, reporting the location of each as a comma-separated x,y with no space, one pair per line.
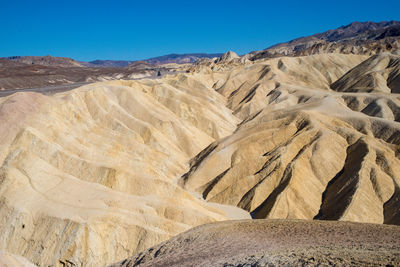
276,243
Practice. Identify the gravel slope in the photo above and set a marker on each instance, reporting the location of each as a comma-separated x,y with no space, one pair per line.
277,243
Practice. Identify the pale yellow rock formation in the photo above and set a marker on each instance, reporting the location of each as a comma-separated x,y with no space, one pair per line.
11,260
302,150
380,73
227,57
89,176
99,173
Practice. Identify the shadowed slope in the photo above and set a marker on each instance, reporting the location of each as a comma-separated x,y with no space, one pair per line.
380,73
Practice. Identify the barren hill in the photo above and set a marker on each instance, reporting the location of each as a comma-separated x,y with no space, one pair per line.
276,243
380,73
46,61
302,150
103,173
366,38
40,72
108,63
180,58
160,60
18,75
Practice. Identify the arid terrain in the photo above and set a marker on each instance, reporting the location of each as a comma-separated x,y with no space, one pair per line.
115,171
34,72
356,38
276,243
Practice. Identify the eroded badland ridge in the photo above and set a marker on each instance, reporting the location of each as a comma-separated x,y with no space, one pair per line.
97,174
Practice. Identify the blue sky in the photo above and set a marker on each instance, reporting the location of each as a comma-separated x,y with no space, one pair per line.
133,30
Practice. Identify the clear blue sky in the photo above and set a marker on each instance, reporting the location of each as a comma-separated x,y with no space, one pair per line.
132,30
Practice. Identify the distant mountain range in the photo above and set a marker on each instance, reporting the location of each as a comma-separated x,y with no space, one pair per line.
69,62
359,30
355,38
171,58
180,58
107,63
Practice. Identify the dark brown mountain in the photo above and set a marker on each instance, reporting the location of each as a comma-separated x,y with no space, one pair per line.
22,72
359,30
356,38
17,75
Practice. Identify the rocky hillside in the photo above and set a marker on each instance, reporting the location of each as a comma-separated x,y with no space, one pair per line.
166,59
41,72
360,31
98,183
46,61
365,38
107,63
18,75
312,142
276,243
180,58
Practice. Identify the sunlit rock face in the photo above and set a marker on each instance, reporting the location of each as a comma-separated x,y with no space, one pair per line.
97,174
89,176
319,139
